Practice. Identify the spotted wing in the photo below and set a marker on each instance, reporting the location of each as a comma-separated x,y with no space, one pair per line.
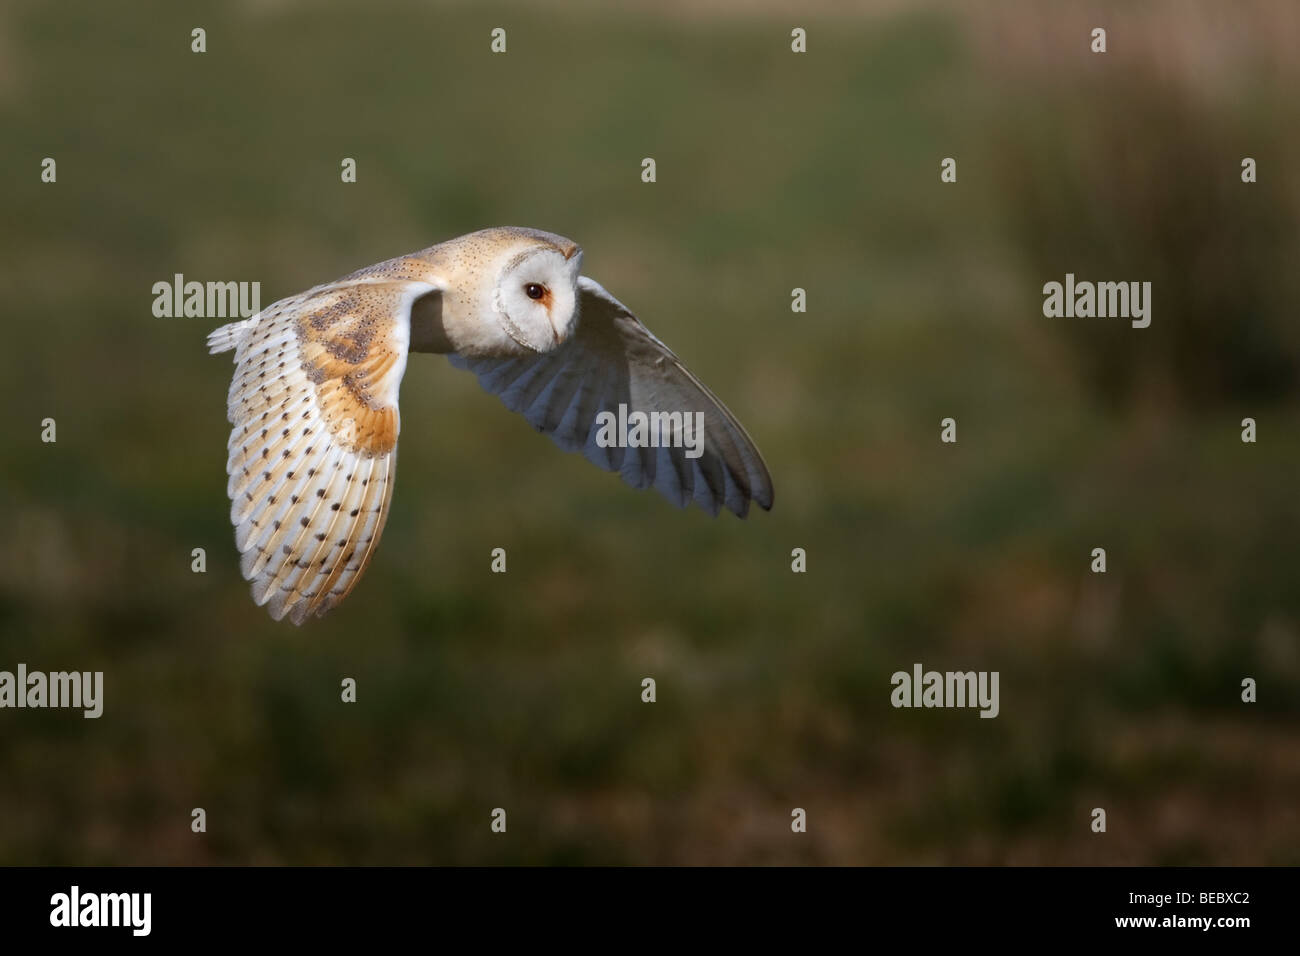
313,449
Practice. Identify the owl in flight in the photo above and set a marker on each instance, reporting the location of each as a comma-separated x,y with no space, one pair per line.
313,401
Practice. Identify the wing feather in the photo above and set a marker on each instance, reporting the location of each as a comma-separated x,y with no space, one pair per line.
314,415
613,359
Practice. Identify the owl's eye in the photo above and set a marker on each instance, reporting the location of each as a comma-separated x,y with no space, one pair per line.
534,291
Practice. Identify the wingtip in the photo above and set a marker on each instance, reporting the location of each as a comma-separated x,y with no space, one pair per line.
764,501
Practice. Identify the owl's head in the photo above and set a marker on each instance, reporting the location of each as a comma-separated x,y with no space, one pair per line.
535,299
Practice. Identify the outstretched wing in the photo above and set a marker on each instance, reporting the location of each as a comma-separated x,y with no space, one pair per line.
613,359
313,450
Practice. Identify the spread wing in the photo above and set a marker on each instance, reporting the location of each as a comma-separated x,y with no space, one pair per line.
313,450
613,359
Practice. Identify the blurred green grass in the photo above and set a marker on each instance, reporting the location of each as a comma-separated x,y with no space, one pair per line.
522,691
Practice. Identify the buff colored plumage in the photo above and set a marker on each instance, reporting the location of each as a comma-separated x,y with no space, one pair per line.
313,401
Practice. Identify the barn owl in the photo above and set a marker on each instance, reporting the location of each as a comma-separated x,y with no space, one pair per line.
313,401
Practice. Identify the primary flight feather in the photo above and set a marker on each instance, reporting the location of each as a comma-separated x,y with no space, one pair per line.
313,401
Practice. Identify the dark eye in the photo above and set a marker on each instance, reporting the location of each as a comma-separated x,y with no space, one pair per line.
534,290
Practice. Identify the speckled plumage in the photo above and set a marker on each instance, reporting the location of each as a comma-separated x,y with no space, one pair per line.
313,400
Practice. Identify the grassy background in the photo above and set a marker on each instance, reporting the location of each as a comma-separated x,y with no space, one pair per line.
774,171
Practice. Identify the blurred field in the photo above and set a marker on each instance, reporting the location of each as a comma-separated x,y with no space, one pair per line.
774,171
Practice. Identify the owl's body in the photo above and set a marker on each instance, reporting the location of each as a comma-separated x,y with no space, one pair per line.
314,407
